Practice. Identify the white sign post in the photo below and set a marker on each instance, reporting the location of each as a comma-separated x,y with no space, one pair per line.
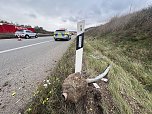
79,54
79,46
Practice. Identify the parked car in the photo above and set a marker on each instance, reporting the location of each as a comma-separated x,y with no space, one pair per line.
62,35
25,34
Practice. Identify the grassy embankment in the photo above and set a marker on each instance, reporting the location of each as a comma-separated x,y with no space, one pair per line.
125,42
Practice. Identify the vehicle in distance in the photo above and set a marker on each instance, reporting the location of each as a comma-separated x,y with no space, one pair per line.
25,34
62,34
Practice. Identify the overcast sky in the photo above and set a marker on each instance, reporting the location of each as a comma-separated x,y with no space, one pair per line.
55,14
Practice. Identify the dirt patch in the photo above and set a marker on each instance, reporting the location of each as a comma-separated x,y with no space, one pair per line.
107,98
92,102
94,98
89,104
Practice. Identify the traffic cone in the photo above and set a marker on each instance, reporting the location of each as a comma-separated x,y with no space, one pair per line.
19,38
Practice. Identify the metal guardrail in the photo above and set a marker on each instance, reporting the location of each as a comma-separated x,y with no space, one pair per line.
8,35
11,35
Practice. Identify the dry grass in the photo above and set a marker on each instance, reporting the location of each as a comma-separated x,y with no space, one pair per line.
135,22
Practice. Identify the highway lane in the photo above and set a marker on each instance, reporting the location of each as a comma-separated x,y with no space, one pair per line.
22,69
13,43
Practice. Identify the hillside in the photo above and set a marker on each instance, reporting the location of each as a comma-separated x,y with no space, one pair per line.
126,43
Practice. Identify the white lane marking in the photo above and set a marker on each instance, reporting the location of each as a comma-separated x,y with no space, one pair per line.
23,47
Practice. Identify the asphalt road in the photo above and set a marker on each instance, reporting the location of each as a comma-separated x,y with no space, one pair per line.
23,66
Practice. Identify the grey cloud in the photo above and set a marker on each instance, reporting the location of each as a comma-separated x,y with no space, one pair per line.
97,10
32,16
64,20
73,19
93,11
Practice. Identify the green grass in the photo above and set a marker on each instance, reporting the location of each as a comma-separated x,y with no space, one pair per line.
125,42
129,76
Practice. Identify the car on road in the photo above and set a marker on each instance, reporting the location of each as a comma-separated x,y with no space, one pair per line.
62,34
25,34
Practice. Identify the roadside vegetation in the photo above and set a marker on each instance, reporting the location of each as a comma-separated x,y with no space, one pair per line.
126,43
48,100
40,30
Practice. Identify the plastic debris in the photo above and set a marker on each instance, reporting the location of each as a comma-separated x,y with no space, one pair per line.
50,92
90,109
48,81
104,79
13,93
45,85
96,85
29,109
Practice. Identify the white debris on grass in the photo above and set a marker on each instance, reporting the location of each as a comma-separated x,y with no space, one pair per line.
13,93
96,85
104,79
45,85
48,81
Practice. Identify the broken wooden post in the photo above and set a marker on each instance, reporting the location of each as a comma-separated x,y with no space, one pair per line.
75,85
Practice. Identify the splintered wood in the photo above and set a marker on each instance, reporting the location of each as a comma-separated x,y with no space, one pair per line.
75,86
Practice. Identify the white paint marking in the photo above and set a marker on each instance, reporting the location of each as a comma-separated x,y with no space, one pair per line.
17,101
5,51
78,61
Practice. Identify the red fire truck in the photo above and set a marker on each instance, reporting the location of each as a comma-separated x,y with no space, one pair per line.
10,28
